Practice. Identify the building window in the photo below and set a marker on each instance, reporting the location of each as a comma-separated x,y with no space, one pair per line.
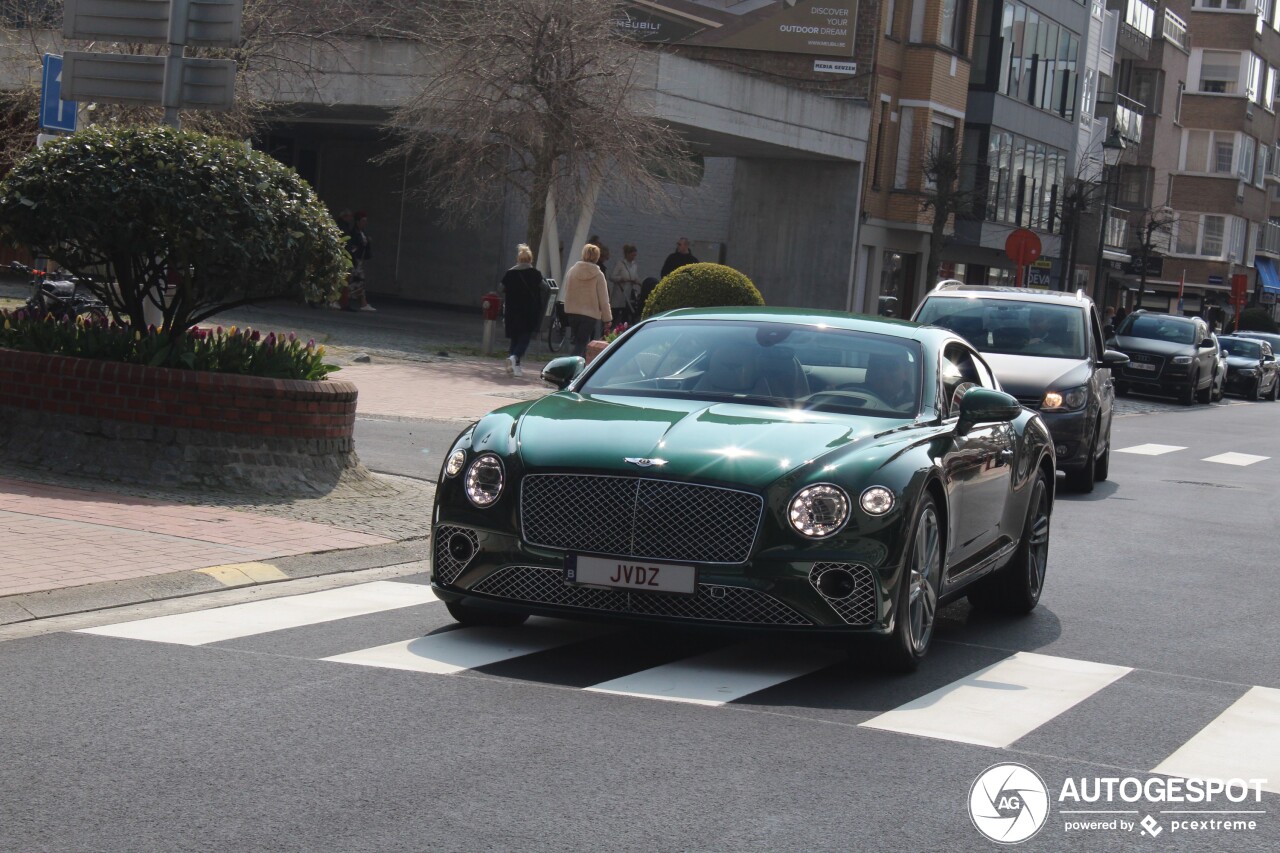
1223,5
882,141
1209,152
916,33
903,167
951,32
1246,158
1147,89
890,11
1253,82
1200,234
1140,17
1219,72
1039,60
942,137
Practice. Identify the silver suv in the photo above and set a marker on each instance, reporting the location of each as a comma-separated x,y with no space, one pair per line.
1047,349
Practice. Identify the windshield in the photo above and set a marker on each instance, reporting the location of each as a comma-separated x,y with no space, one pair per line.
1158,327
765,363
1239,348
1011,326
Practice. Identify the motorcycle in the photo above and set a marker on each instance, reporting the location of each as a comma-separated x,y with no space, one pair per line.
59,295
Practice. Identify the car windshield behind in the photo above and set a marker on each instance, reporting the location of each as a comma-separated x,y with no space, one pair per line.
1240,348
1010,326
765,363
1159,327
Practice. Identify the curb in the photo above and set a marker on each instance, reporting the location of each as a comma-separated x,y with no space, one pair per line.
29,606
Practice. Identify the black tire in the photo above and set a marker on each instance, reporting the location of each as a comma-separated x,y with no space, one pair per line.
556,333
1275,389
917,595
1081,479
1257,391
479,616
1188,396
1015,588
1102,468
1206,395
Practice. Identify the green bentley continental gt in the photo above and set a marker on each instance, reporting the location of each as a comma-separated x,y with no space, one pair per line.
783,469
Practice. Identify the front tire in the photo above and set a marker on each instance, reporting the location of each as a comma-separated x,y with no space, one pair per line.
1205,396
556,334
917,594
480,616
1015,589
1102,468
1081,479
1188,397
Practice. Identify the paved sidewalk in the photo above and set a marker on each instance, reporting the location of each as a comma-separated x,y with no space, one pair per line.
70,545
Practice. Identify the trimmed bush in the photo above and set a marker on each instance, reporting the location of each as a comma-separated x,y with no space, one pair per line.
1257,320
702,286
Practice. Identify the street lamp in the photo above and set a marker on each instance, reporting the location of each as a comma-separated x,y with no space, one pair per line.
1112,149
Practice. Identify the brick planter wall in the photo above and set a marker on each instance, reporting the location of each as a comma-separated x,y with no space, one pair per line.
176,427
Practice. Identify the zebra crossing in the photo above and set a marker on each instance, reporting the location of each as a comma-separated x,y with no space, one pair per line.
1230,458
995,706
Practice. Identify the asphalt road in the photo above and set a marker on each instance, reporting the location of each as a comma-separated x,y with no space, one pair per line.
1161,588
405,447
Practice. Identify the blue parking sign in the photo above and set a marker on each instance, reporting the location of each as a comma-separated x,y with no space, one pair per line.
55,113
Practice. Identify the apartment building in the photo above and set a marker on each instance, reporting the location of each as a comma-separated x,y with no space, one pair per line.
922,57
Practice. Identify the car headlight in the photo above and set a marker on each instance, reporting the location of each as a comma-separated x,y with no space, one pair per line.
1248,371
819,511
1181,359
456,460
1069,400
484,481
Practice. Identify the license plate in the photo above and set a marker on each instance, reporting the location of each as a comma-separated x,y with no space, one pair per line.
624,573
1137,365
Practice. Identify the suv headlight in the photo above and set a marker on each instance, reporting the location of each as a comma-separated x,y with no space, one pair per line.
819,511
1248,371
1065,401
484,481
1181,359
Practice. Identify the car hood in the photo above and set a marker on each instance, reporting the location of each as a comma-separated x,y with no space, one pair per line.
1151,345
1031,376
726,442
1238,362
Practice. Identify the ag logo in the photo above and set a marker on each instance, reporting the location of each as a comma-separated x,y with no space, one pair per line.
1008,803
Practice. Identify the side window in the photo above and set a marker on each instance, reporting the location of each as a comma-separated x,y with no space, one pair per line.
1095,331
960,371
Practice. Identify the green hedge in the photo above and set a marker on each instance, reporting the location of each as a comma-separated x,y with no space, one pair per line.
702,286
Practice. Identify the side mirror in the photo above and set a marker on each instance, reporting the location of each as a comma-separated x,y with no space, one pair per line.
1114,358
1207,342
1268,358
983,405
561,371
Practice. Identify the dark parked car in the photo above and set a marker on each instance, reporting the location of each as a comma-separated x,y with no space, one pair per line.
1168,354
802,471
1047,350
1252,371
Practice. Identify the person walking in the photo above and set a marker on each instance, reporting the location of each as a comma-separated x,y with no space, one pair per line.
586,298
361,249
522,287
678,258
624,286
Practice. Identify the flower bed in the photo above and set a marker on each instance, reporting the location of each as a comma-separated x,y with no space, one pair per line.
152,425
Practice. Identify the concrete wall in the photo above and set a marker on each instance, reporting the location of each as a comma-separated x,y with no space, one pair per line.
792,230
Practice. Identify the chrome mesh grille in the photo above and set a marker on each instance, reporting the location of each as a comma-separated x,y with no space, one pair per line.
859,606
639,517
447,567
712,602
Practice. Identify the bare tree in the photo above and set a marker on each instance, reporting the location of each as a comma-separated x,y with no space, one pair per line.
1152,238
1079,197
535,96
942,196
279,38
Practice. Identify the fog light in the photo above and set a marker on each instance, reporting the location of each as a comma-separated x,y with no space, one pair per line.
876,500
1060,449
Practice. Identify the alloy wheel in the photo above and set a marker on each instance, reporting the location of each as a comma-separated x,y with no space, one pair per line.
926,566
1038,552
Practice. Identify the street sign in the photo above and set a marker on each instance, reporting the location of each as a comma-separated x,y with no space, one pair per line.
1022,246
55,113
128,79
213,23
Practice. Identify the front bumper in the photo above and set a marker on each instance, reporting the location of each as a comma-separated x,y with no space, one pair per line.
775,591
1070,432
1244,385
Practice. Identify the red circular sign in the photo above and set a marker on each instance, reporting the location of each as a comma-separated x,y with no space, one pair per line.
1022,246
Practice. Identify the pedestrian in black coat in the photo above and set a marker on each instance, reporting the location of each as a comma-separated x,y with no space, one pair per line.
522,286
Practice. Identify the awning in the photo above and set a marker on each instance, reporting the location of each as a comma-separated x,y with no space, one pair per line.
1268,275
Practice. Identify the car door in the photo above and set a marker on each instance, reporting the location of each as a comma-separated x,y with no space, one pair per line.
1206,357
1102,385
978,465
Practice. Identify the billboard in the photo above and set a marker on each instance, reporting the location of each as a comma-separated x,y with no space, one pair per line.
815,27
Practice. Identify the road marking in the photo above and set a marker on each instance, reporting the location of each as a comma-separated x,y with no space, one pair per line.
998,705
467,648
260,617
1242,743
1236,458
720,676
1150,449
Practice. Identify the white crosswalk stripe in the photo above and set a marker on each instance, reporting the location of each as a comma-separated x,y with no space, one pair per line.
721,676
1242,743
260,617
467,648
1150,449
1006,701
1240,459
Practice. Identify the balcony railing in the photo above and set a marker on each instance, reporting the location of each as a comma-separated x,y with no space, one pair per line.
1124,112
1115,232
1174,29
1269,239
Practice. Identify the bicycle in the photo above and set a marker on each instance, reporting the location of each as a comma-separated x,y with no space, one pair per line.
60,297
558,328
